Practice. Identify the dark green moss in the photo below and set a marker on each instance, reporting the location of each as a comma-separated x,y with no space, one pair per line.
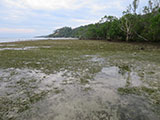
132,90
84,81
58,91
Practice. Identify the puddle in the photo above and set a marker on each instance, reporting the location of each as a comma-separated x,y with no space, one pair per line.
110,77
33,95
94,58
24,48
135,80
8,45
43,81
45,47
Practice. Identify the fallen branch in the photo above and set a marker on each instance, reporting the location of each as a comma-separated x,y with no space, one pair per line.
141,37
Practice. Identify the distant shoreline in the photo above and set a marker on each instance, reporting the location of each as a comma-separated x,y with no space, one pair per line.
8,40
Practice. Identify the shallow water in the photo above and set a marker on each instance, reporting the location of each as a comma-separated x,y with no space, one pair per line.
60,96
4,40
25,48
91,88
11,47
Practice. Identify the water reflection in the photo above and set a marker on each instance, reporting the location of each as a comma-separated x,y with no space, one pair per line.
32,95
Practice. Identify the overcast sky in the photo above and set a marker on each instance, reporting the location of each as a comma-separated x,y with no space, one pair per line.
25,18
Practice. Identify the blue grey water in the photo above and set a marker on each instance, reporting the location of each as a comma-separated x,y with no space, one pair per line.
2,40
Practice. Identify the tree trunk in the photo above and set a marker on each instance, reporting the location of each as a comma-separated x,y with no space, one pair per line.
127,37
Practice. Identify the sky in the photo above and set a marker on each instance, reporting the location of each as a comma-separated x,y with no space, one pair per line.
28,18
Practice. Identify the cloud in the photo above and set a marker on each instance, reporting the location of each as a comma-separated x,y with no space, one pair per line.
45,4
83,21
95,5
43,16
16,30
19,10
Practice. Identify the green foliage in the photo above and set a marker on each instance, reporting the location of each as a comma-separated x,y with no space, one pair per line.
62,32
130,27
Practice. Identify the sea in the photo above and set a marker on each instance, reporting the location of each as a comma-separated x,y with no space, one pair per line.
4,40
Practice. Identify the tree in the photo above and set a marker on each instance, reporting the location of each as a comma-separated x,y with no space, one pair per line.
126,26
135,5
130,27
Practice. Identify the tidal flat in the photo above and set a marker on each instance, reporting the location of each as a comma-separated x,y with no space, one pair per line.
79,80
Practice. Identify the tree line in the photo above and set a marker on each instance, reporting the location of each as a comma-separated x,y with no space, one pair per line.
132,26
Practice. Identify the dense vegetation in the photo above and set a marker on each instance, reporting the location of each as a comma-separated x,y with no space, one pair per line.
63,32
144,26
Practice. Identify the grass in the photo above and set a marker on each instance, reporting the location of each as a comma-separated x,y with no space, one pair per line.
70,55
61,52
84,81
152,94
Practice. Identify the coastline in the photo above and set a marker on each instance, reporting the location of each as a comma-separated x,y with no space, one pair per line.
10,40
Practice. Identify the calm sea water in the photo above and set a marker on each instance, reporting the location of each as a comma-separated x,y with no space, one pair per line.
2,40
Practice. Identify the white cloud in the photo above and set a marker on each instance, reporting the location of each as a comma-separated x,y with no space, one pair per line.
46,4
21,9
14,15
45,15
16,30
84,21
95,5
